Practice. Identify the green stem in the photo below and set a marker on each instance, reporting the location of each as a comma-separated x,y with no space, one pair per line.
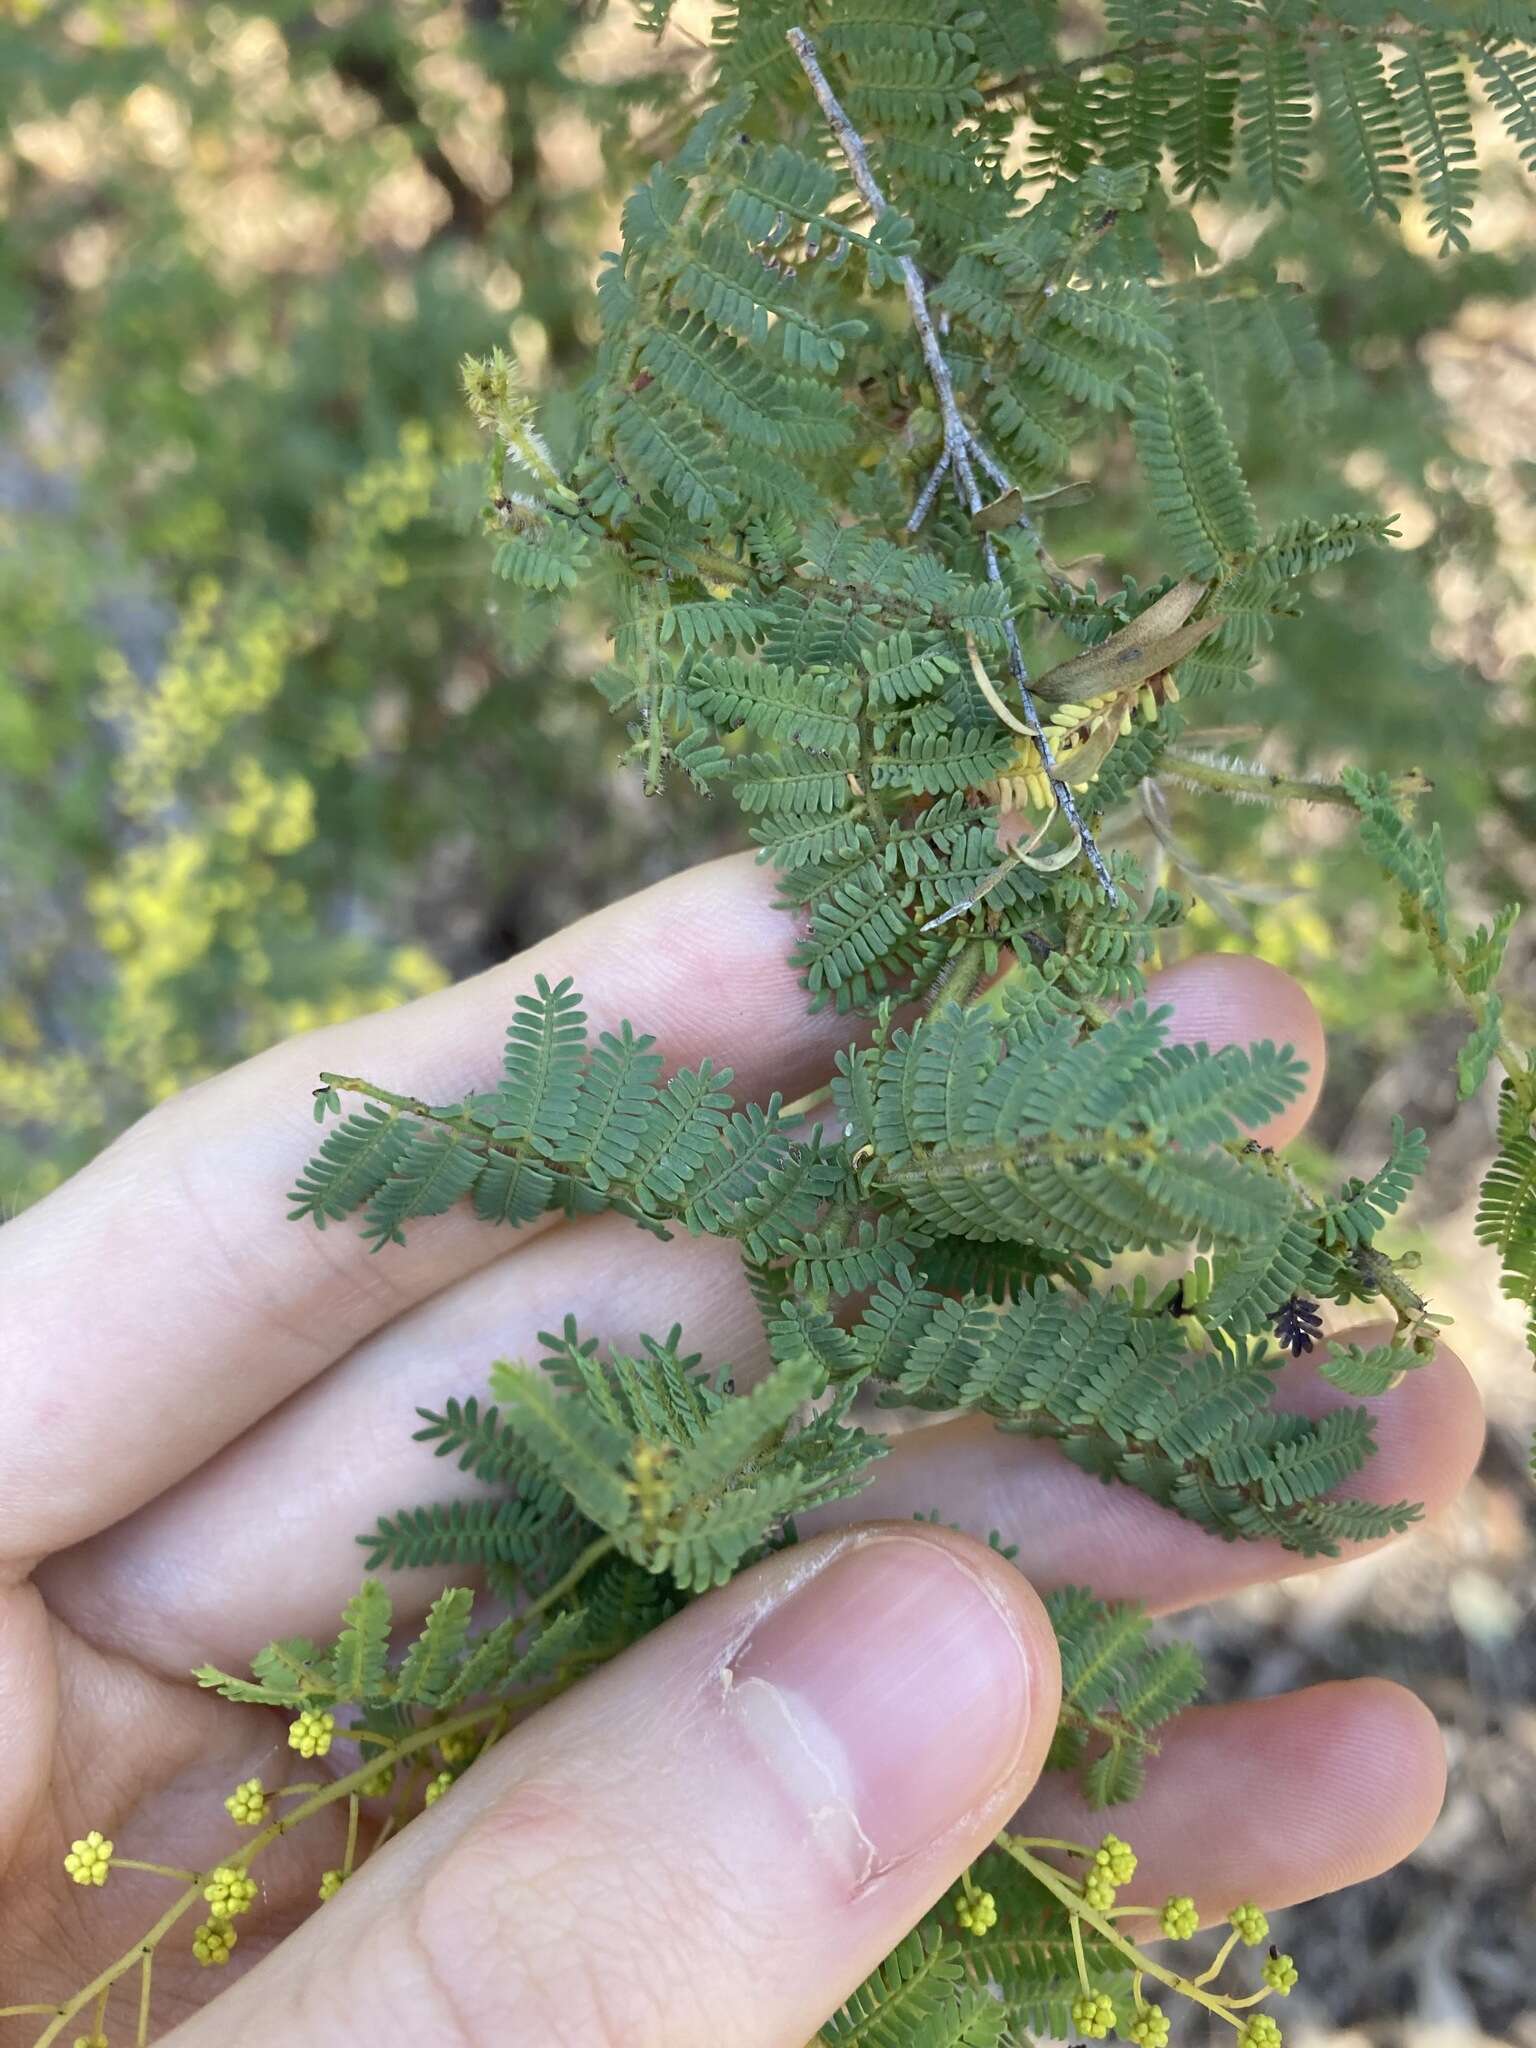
599,1548
1208,773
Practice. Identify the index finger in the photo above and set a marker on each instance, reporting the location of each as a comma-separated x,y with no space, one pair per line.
160,1302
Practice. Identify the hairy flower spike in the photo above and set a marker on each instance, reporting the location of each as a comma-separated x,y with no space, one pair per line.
229,1892
1093,2015
1281,1974
214,1944
1251,1924
1179,1918
1259,2031
247,1804
977,1913
311,1733
330,1884
1150,2028
89,1859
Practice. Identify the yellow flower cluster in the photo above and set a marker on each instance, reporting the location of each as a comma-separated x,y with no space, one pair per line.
229,1892
214,1943
247,1804
1251,1924
1179,1918
976,1912
1259,2032
89,1859
310,1733
1281,1974
330,1884
1150,2028
1114,1864
439,1785
1093,2015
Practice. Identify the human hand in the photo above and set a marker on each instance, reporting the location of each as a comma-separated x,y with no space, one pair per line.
714,1838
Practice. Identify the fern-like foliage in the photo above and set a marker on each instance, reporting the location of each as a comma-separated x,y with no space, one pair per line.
1382,96
1020,1128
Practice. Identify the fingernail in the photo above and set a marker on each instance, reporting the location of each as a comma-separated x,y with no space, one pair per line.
890,1696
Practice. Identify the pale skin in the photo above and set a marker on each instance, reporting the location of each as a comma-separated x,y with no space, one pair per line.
715,1838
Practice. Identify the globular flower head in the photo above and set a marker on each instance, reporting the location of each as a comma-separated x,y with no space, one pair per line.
90,1858
1150,2028
438,1787
229,1891
976,1912
1116,1859
1259,2032
1252,1925
1099,1890
1179,1918
214,1943
247,1804
90,2041
378,1786
330,1884
1093,2015
310,1732
1281,1974
460,1748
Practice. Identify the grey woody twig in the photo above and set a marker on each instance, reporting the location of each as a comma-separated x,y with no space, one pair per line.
961,453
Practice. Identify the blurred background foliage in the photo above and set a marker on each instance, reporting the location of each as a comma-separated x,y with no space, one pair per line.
275,749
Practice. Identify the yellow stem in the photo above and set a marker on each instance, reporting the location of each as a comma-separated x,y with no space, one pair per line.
804,1104
1220,1963
1077,1949
144,1984
1066,1894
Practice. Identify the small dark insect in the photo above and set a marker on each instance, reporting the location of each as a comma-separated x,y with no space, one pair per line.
1297,1324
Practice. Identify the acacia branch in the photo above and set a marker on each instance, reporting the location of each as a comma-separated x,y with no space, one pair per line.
960,447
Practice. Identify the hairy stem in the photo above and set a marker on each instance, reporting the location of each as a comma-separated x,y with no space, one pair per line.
1205,771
